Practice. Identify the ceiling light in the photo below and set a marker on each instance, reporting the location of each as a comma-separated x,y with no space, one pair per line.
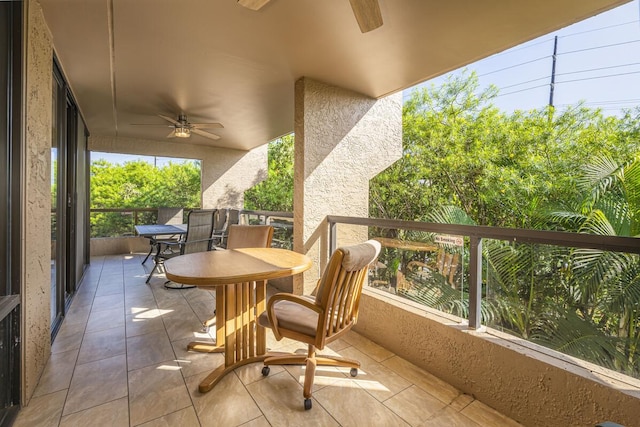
182,132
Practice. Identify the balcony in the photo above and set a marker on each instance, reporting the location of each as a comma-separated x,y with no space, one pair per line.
120,359
403,346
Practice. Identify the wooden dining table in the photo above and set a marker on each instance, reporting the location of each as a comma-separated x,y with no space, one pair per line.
239,277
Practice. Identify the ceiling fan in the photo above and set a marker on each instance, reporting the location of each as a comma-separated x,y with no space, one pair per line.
367,12
183,129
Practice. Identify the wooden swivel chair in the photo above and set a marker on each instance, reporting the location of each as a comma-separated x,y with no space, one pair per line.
319,320
197,239
241,236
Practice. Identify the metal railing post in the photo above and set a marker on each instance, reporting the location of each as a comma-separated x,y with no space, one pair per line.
475,282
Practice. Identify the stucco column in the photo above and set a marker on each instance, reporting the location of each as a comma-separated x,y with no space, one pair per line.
36,268
225,173
342,140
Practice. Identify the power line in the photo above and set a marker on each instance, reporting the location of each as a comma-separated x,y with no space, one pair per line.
608,104
599,47
600,77
599,68
568,81
550,39
559,53
521,90
526,82
570,73
514,66
598,29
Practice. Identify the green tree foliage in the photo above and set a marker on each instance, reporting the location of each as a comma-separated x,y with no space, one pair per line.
467,162
276,192
603,288
139,184
502,170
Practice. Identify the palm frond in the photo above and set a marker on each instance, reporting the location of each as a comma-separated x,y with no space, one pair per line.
597,178
450,215
565,331
597,223
632,190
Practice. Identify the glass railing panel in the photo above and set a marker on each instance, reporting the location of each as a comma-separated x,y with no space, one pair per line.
426,268
282,226
429,269
581,302
114,224
282,233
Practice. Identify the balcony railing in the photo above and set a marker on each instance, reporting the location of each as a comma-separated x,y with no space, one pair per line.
515,280
121,222
455,269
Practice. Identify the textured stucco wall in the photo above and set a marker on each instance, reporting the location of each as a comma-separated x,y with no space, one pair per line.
521,382
226,174
342,140
118,245
36,336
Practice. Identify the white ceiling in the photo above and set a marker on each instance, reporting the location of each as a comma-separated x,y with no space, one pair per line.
216,61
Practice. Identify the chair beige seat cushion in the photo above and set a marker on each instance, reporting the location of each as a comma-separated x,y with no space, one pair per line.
294,317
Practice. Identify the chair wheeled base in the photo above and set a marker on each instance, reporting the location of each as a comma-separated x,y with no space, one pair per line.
310,361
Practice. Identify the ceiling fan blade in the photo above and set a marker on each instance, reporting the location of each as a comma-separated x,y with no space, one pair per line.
151,124
253,4
172,134
169,119
205,134
367,14
206,125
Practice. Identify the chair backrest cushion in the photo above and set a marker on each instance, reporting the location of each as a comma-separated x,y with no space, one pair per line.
249,236
357,257
199,226
353,258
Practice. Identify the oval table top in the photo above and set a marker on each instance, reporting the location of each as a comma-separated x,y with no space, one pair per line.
224,267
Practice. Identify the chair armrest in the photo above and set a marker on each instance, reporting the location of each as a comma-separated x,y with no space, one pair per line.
181,244
296,299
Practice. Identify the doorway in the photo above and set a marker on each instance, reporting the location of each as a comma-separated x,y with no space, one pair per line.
68,149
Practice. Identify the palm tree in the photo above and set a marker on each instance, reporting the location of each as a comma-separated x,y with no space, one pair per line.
604,287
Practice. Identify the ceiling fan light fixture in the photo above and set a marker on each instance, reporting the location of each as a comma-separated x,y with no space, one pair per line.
182,132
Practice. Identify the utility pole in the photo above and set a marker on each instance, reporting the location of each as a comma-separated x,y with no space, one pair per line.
553,70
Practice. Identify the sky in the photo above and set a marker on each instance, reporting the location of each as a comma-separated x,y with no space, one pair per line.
597,62
117,158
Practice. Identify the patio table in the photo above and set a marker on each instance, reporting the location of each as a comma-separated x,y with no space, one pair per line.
239,277
153,231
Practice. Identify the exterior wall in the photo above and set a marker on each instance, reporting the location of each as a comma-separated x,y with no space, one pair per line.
118,245
342,140
532,385
36,290
226,174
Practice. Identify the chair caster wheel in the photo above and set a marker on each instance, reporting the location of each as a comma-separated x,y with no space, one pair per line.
265,371
353,372
307,404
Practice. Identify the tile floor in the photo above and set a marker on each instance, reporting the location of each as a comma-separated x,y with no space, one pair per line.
120,359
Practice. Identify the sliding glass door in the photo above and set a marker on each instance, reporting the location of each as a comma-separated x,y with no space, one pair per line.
68,187
10,215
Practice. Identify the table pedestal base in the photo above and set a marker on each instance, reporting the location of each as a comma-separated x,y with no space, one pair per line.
214,377
238,334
